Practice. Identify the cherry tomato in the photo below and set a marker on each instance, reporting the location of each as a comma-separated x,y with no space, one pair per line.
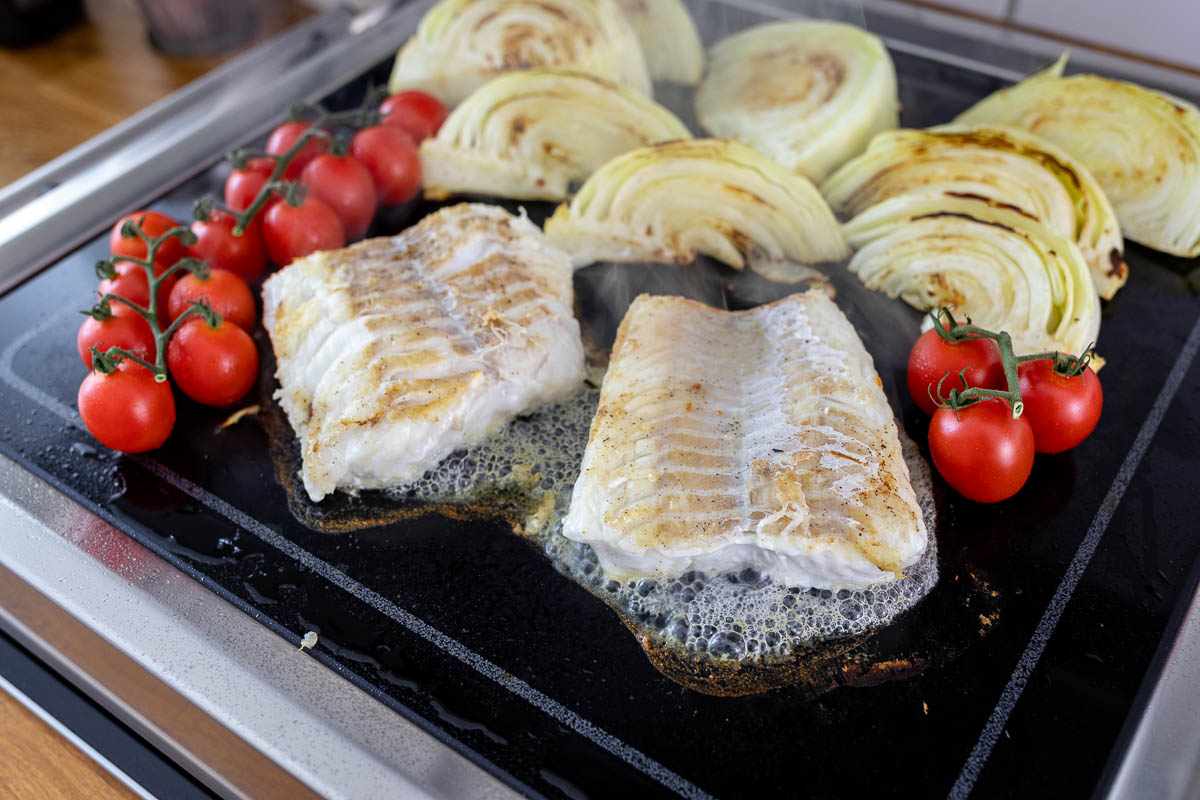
245,255
932,357
131,283
418,113
243,185
291,232
1062,411
226,293
343,184
984,453
214,366
390,156
126,329
127,410
282,139
153,224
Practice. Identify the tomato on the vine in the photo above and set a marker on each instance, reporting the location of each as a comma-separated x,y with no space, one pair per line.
228,295
126,329
131,283
1062,411
286,135
127,409
153,224
418,113
243,185
343,183
214,366
932,357
244,255
291,232
981,451
390,156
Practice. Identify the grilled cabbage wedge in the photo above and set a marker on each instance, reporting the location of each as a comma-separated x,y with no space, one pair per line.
1004,165
529,135
670,201
1142,145
808,94
1004,269
461,44
669,39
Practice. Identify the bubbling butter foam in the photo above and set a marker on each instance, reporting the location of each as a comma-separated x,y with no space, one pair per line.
533,463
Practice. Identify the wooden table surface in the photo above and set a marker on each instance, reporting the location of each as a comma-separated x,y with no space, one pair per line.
60,93
54,96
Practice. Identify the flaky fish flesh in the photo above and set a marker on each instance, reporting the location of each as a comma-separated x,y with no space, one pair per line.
396,351
751,439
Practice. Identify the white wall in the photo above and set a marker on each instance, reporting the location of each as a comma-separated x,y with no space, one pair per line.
1168,30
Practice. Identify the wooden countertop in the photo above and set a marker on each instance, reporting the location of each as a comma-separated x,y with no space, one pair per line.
62,92
56,95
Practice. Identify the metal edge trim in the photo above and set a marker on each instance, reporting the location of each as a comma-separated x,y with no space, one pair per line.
193,673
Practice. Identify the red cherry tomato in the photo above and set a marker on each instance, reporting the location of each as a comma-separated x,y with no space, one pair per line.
418,113
244,255
291,232
390,156
127,410
1062,411
153,224
226,293
932,357
984,453
126,329
213,366
243,185
282,139
343,184
131,283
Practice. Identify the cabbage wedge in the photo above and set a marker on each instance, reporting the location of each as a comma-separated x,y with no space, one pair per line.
669,39
530,135
668,202
1004,269
809,95
1142,145
1006,166
461,44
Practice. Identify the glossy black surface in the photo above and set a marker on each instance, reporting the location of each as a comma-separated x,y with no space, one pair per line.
502,601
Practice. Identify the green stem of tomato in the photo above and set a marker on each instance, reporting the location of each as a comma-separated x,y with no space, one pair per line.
281,165
151,313
106,361
951,331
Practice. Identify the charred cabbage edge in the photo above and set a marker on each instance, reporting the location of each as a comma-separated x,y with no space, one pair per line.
1005,165
461,44
807,94
1005,270
1142,145
529,135
671,201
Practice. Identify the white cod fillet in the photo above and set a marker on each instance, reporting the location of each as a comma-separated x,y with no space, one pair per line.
397,351
759,438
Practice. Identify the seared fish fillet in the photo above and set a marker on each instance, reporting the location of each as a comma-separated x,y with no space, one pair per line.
759,438
397,351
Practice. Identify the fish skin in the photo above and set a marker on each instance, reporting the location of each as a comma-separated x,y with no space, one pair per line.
396,351
760,438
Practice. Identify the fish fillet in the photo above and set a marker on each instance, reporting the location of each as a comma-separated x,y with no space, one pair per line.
761,438
396,351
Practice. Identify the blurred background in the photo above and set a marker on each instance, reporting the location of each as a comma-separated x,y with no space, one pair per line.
69,69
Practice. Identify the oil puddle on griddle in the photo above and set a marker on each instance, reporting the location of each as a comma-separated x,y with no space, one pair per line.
731,634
